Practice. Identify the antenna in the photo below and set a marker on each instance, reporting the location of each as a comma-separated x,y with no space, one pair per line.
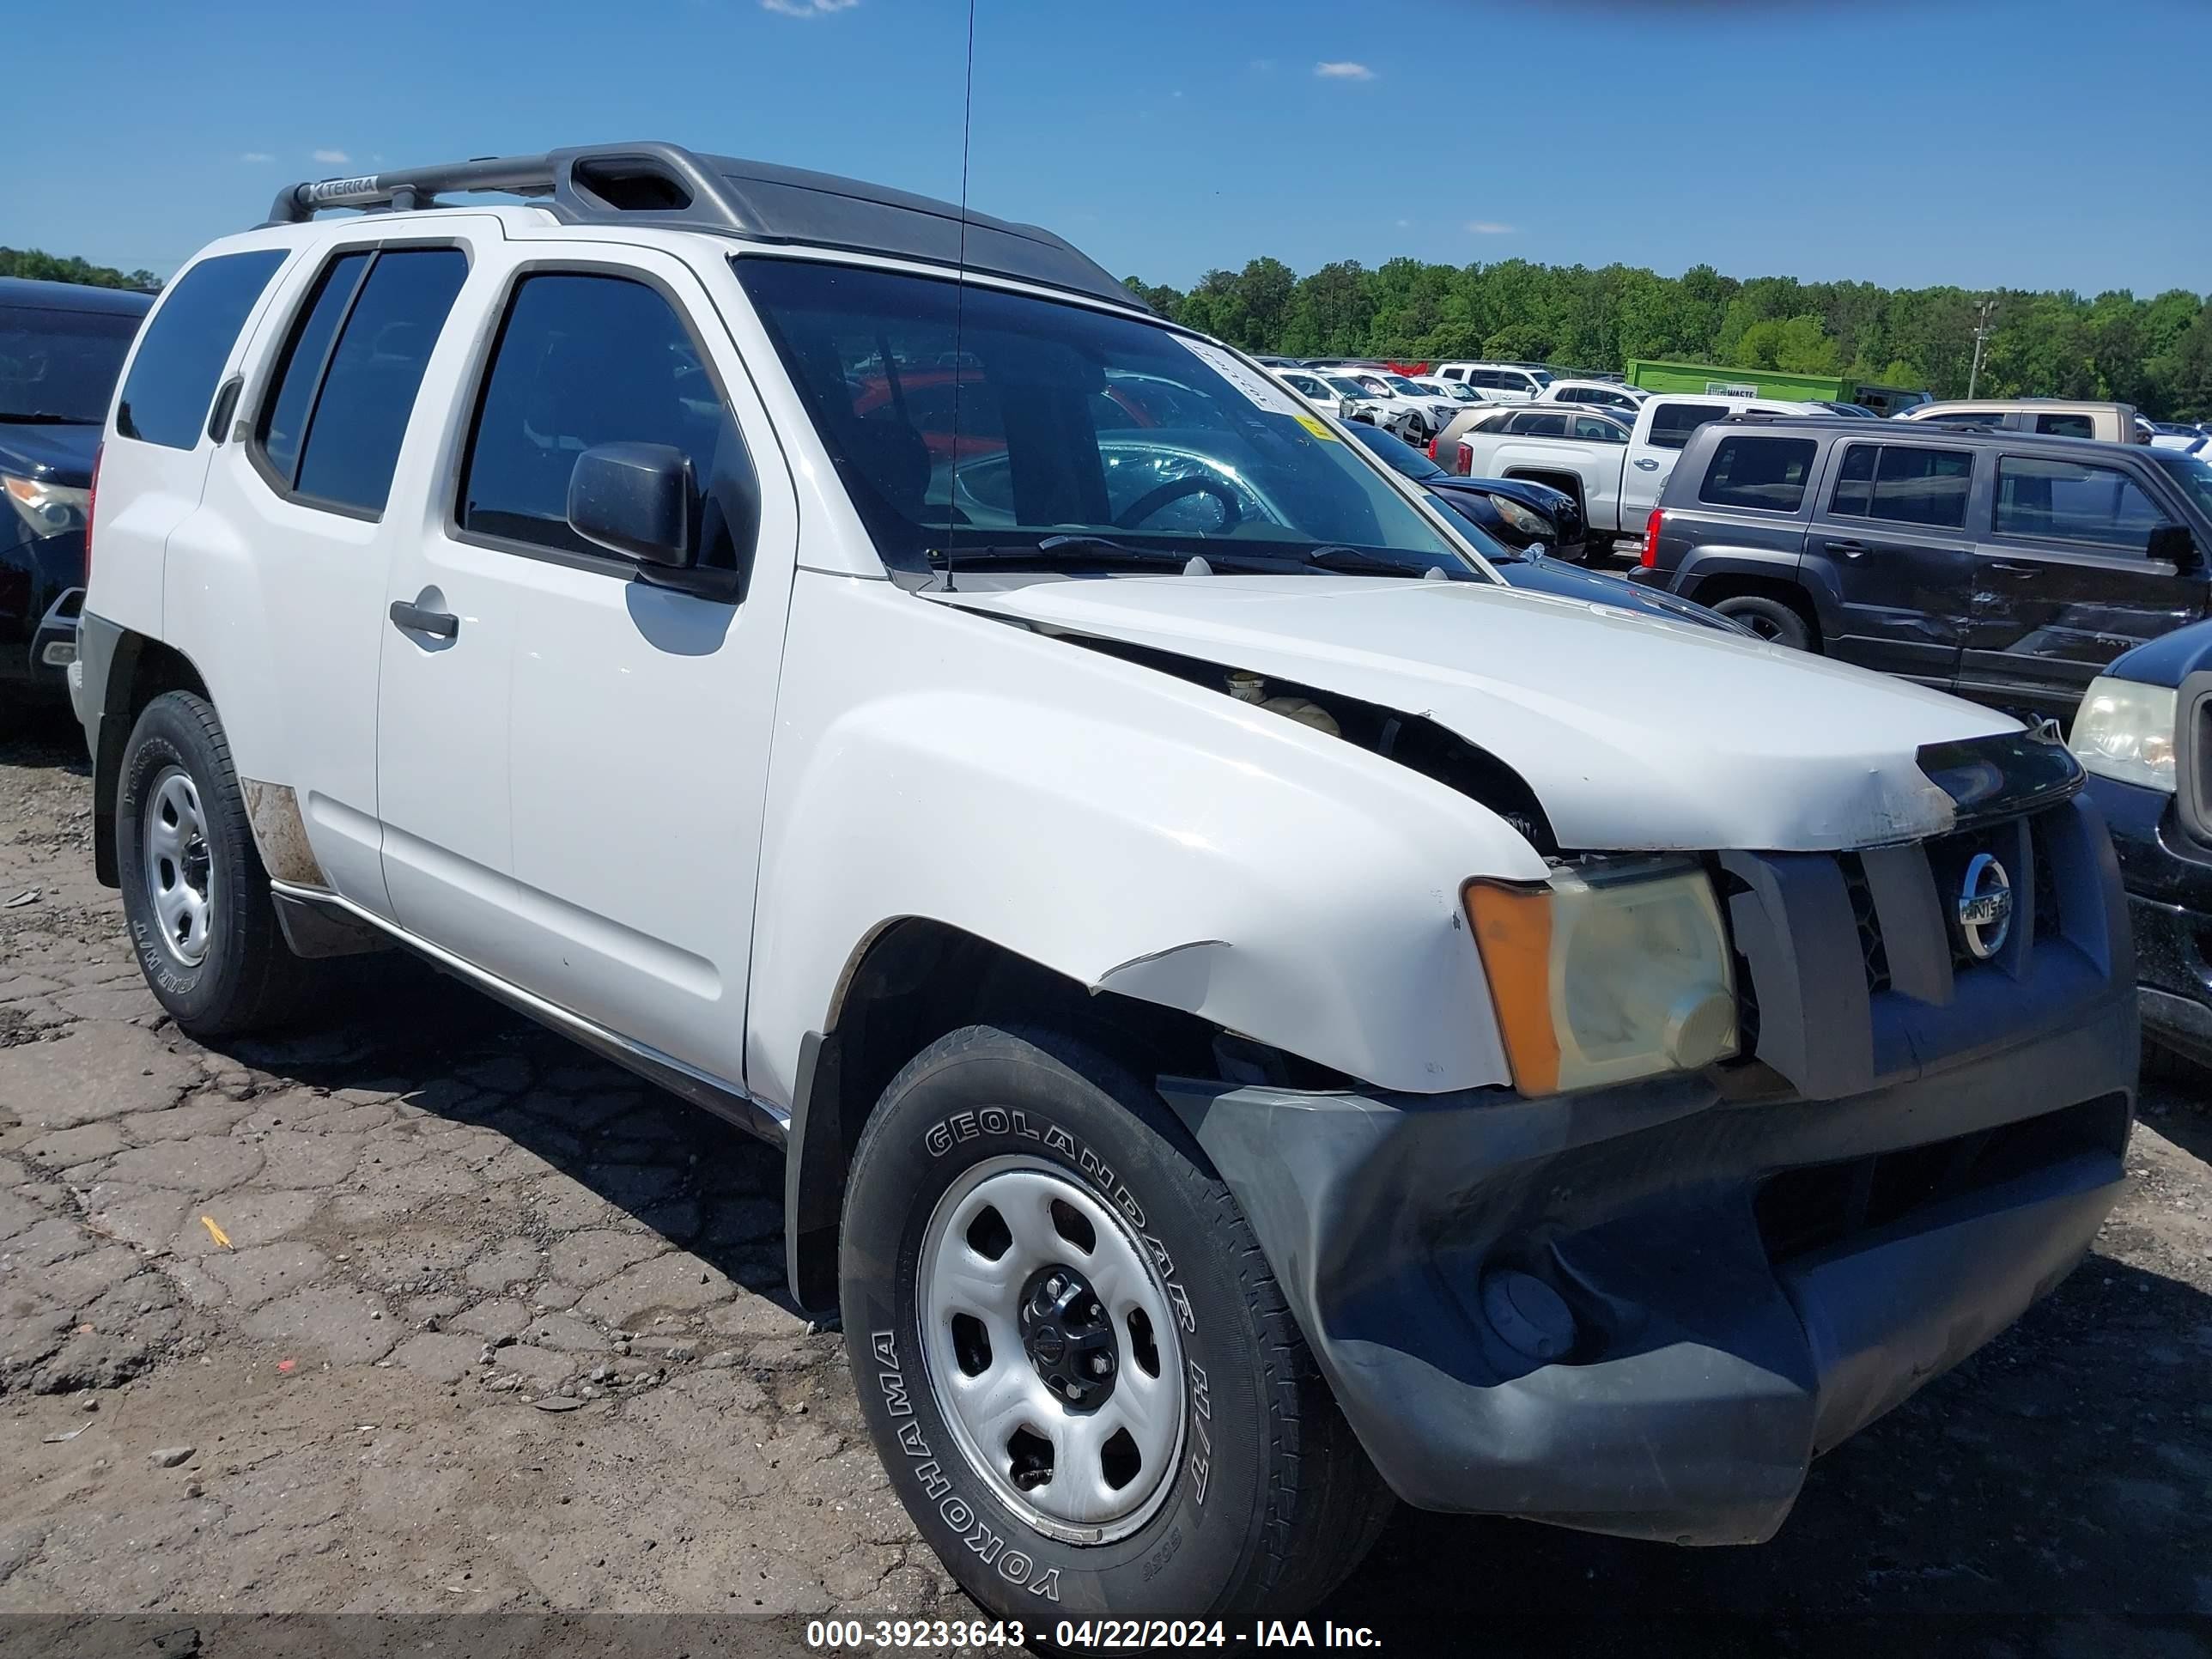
960,294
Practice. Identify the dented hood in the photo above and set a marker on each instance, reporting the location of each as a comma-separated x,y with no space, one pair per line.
1635,733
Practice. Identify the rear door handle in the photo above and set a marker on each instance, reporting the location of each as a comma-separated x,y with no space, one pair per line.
1849,549
2015,570
1647,465
413,619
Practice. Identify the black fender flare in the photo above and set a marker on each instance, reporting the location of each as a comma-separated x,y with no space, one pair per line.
1704,567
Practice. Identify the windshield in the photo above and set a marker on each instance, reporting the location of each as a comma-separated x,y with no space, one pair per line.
61,365
1398,455
1458,390
1058,423
2192,473
1347,388
1540,376
1399,383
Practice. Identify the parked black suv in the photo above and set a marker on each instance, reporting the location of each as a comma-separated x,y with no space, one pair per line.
61,345
2007,567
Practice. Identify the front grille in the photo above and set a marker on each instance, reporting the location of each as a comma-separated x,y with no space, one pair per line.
1799,1211
2047,918
1872,952
1804,926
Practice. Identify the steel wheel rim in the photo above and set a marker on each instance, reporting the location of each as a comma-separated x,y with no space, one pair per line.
1000,1414
180,880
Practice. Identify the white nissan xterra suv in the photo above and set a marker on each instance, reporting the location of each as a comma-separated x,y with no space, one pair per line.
1260,1017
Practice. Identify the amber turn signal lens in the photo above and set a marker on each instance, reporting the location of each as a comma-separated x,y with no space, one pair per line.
1513,930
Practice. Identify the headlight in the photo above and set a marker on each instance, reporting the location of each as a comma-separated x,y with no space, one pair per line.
1607,973
1528,523
2125,731
48,509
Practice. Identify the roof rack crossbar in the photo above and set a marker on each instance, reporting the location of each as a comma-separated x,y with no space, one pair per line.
415,187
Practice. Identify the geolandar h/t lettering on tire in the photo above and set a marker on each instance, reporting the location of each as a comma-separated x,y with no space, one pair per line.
1125,751
949,1132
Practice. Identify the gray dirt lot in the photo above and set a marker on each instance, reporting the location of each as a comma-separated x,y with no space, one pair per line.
439,1216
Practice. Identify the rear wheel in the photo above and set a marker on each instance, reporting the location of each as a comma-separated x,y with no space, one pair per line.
195,896
1072,1355
1771,619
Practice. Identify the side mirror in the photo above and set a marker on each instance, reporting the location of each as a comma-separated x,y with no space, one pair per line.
639,500
2173,544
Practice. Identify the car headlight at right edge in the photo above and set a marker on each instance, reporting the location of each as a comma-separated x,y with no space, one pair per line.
2124,730
1608,972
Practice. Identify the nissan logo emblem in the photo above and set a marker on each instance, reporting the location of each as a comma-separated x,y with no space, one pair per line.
1984,906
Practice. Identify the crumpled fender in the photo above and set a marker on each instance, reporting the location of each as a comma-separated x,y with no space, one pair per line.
1132,831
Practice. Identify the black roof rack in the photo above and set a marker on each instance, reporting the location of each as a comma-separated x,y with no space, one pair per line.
666,185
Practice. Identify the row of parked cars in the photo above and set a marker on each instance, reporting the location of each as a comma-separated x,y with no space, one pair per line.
1262,1019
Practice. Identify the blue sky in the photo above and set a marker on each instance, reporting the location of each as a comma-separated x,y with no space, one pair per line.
1906,144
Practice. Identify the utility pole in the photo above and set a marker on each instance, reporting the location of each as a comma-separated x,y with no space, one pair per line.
1981,338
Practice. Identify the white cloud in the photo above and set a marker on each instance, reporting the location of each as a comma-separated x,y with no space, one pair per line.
332,157
1403,223
256,156
1490,227
1344,71
806,7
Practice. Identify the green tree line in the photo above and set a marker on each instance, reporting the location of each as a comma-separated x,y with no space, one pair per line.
2155,354
53,268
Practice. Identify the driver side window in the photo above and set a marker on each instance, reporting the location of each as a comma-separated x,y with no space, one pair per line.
582,361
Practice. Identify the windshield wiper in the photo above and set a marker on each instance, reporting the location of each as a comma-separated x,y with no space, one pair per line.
1372,562
43,418
1103,550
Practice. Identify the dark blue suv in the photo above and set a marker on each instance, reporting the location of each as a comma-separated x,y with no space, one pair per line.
62,346
2144,734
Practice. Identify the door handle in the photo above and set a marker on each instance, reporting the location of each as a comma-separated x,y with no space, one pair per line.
413,619
1647,466
2015,570
1849,549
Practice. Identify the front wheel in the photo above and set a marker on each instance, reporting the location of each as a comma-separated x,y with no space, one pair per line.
195,896
1072,1355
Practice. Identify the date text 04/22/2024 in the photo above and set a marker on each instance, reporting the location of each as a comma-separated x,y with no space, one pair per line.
1136,1635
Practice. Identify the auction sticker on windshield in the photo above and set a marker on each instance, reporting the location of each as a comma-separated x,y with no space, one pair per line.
1254,387
1313,423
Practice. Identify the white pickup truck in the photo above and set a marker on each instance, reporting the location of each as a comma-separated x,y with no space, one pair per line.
1613,469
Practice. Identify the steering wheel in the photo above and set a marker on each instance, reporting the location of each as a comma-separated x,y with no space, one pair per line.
1197,483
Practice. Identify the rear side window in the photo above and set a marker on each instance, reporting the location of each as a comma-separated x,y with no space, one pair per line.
2066,501
1594,430
2066,426
1541,426
172,382
1673,423
284,419
359,414
1767,474
583,360
1905,485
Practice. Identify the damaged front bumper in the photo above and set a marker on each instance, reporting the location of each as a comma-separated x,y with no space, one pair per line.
1645,1309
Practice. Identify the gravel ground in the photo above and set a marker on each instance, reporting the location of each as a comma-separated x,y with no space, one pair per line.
423,1311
